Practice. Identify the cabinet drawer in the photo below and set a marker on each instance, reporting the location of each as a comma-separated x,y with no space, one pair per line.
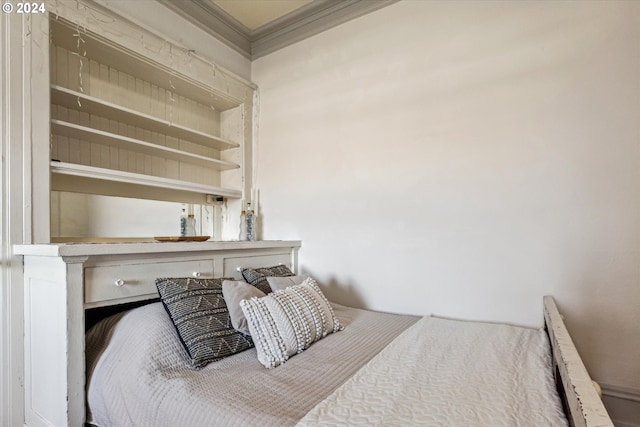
111,282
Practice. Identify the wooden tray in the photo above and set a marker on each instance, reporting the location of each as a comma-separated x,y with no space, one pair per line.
182,238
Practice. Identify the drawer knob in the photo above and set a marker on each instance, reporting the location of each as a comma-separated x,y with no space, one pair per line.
196,274
118,282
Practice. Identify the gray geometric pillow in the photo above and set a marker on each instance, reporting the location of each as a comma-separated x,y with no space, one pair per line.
201,317
258,276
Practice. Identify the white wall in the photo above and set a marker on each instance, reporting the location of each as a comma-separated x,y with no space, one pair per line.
465,159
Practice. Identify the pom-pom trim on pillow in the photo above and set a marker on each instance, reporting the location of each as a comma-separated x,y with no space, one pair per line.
289,321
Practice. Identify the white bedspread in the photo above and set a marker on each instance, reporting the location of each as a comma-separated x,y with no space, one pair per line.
450,373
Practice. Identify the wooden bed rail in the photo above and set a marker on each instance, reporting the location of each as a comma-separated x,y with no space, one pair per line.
584,406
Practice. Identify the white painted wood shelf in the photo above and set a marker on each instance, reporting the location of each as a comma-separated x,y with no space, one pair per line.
84,133
65,34
89,104
83,171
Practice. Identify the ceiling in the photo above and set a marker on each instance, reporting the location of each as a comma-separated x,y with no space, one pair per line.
258,27
253,14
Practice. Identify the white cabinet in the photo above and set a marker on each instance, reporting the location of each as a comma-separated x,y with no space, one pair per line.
122,122
119,110
64,281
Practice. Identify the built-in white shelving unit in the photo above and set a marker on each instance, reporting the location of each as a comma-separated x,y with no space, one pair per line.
114,109
122,121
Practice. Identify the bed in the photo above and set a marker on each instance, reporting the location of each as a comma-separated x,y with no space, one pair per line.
376,369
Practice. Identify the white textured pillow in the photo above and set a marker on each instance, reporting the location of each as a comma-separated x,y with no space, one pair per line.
288,321
278,283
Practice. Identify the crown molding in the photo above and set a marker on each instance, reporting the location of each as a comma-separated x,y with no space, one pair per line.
213,20
306,21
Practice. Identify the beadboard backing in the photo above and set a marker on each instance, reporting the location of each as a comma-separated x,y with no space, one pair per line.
138,116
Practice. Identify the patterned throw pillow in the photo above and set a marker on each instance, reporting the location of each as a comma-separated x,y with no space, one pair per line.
201,317
288,321
258,276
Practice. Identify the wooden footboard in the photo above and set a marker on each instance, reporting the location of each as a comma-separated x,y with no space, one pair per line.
583,404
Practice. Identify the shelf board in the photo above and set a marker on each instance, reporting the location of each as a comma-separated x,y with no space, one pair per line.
72,130
65,34
103,174
95,106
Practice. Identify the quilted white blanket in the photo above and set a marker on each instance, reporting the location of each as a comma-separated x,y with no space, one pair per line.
450,373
